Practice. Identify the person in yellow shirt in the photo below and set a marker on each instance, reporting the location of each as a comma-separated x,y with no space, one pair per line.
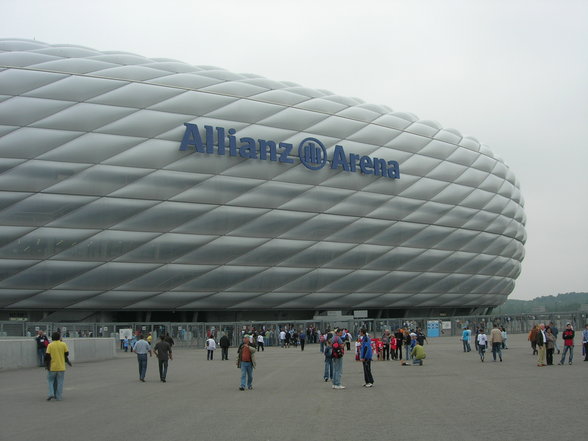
55,358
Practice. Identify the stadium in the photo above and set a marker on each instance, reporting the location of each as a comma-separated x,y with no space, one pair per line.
131,185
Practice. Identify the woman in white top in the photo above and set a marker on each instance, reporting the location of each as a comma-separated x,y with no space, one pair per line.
482,344
210,346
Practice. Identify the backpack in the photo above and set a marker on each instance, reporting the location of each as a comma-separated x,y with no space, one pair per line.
337,350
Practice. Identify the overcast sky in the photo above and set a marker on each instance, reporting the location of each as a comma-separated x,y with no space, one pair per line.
511,73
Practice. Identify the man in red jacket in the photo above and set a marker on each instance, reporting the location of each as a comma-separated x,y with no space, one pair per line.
568,338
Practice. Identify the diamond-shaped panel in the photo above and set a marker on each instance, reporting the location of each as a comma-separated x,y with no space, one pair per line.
100,210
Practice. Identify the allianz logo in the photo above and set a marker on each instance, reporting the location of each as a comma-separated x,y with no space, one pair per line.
311,152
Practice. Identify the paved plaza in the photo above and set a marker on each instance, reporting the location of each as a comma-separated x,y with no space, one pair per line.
452,397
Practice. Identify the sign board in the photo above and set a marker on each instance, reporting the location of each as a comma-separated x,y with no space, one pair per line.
125,333
361,313
446,325
311,152
433,328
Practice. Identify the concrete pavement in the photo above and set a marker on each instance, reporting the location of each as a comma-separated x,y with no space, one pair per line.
452,397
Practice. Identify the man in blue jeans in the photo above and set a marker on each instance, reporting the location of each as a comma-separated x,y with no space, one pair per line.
246,362
496,340
141,349
55,359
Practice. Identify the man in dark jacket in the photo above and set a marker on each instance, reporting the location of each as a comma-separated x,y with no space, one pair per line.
163,351
366,358
224,344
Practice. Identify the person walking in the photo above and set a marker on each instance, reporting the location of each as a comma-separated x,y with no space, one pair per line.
260,342
56,356
42,343
482,344
302,338
142,348
163,352
169,339
210,347
338,349
465,338
496,340
224,344
568,338
504,337
365,357
246,362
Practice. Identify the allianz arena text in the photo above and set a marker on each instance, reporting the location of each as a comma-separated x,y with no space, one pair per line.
135,185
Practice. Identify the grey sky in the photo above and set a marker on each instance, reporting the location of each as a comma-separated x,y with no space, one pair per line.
512,73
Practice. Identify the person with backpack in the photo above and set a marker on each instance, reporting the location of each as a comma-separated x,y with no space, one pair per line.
328,351
338,350
210,347
322,341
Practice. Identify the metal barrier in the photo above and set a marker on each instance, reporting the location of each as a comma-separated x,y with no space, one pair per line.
195,334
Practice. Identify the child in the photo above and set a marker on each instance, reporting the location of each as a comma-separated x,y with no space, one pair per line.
482,343
328,351
394,347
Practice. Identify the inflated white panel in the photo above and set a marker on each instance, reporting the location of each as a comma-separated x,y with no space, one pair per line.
99,209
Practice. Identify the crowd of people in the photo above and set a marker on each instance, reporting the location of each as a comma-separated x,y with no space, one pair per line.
404,345
543,339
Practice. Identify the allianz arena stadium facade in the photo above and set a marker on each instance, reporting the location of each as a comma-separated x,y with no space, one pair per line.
136,184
